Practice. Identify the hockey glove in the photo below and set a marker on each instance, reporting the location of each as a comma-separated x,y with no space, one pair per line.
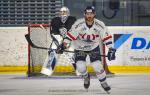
111,54
63,32
60,49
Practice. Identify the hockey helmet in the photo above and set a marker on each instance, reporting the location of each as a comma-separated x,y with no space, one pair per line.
89,9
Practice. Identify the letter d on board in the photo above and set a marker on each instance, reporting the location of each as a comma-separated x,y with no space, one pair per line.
138,43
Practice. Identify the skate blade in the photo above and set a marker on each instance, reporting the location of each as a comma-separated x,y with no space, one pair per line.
86,90
107,92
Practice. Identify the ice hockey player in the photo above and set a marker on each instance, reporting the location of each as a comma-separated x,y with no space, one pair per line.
60,25
87,33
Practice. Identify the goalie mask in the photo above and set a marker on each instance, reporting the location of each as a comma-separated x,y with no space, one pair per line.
64,13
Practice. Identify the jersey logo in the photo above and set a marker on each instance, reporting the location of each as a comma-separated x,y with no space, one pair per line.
78,25
88,37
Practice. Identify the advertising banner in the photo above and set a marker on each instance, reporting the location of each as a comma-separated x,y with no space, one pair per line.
132,44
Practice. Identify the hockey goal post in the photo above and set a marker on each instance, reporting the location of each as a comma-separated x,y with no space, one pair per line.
40,35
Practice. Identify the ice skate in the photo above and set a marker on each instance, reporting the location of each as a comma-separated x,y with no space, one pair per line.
106,87
87,82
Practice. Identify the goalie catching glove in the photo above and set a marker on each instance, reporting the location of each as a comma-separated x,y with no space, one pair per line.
111,54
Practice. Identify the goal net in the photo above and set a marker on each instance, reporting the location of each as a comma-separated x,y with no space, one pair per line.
40,36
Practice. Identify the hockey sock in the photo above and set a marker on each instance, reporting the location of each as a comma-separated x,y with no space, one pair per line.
101,76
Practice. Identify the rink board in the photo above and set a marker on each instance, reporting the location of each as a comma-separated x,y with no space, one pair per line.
132,44
115,69
133,53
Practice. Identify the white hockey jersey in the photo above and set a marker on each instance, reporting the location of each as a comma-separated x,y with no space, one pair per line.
85,38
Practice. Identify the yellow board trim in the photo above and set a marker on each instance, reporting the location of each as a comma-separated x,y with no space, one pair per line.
115,69
130,69
13,69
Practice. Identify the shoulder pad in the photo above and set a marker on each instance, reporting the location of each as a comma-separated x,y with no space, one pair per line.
79,22
99,23
71,17
56,19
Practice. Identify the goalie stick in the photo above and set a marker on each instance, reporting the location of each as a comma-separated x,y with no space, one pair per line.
27,36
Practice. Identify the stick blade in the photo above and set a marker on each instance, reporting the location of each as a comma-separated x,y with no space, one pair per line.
27,36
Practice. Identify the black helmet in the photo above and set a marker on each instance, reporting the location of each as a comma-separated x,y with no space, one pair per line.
89,9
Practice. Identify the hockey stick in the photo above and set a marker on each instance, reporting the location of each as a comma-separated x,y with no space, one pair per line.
27,36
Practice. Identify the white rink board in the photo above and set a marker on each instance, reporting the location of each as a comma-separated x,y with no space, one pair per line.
13,46
13,50
135,51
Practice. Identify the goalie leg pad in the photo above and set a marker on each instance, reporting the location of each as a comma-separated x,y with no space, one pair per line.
50,63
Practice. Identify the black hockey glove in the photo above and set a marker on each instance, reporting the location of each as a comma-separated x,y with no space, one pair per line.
111,54
60,49
63,32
